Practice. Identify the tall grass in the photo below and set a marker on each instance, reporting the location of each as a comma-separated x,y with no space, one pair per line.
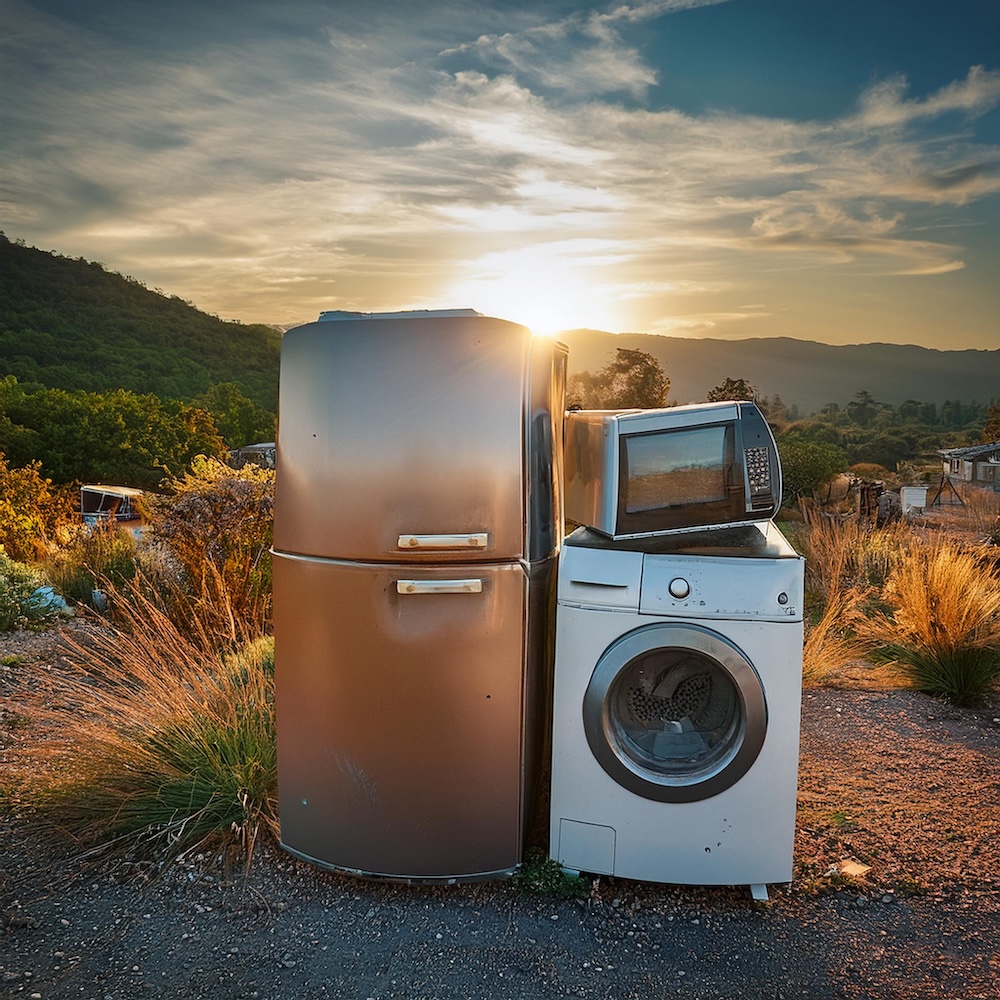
94,557
153,743
942,623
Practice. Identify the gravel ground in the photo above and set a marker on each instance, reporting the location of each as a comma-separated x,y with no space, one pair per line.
890,780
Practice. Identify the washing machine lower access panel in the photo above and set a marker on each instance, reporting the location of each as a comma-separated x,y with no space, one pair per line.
741,831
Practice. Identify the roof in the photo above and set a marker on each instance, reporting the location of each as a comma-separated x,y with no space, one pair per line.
974,451
121,491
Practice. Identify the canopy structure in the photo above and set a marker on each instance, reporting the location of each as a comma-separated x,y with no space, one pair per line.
109,503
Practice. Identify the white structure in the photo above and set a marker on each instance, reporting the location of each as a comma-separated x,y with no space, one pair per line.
676,709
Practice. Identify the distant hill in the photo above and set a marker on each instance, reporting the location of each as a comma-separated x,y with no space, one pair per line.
71,324
801,372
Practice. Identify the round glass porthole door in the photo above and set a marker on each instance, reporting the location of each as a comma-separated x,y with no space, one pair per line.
675,713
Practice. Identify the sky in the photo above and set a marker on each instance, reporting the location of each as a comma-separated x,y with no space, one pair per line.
820,169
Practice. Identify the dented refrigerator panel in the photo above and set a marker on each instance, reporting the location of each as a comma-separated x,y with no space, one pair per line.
417,524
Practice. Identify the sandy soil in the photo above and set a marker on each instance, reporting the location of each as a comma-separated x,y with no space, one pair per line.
896,895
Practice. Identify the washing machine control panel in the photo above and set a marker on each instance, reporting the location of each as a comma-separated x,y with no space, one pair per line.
725,588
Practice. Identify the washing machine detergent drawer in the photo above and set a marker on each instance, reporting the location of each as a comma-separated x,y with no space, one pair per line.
600,578
706,587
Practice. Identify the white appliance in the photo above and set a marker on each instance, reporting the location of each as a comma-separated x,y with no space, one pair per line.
676,706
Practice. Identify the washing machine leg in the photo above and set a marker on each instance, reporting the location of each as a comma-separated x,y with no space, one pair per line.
759,893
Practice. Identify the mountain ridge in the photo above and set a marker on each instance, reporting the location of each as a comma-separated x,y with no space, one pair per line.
804,373
69,323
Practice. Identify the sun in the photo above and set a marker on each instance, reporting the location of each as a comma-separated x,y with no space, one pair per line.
540,288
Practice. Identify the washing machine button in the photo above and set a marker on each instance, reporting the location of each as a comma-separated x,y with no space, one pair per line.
679,588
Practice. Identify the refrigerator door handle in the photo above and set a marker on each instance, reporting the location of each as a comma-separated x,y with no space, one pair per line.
439,586
474,540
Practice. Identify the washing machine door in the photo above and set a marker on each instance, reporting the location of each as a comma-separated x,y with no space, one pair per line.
675,713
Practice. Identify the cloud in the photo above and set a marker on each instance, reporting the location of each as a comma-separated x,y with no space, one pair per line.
368,161
883,105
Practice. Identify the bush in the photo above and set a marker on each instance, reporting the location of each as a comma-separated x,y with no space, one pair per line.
942,626
217,529
93,559
23,602
32,513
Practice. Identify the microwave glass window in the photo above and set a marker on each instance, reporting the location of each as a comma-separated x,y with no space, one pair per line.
676,468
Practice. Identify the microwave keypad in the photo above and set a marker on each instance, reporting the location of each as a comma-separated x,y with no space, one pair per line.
758,470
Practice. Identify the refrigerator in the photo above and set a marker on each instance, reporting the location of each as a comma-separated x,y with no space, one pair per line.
418,520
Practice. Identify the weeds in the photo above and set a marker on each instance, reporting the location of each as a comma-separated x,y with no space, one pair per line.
155,745
943,626
542,876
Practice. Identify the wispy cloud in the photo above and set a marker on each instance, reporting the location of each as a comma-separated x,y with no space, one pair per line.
401,161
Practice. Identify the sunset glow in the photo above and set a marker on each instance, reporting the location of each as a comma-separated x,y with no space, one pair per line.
705,168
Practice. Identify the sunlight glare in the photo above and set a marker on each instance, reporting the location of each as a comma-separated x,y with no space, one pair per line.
540,288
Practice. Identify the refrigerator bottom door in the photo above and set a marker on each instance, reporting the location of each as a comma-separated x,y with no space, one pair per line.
399,694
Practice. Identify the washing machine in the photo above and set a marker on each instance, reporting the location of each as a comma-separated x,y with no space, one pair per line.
676,706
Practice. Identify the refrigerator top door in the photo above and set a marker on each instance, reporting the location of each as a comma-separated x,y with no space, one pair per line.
403,439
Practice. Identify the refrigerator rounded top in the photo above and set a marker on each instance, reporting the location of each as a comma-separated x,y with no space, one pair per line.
413,438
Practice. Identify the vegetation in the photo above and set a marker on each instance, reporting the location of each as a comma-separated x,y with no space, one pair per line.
216,525
925,605
73,325
540,875
93,558
24,601
942,623
154,745
632,379
111,437
33,515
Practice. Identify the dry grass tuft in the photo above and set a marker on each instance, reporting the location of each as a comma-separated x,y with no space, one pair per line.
942,626
151,743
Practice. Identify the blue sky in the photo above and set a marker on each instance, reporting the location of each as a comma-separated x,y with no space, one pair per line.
820,169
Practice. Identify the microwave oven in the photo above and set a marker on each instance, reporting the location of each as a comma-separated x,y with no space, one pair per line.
632,473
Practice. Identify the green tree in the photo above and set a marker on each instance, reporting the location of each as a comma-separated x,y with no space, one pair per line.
991,432
738,388
633,379
807,466
240,420
119,437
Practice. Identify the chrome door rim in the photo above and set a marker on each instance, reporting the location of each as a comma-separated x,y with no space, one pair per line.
729,767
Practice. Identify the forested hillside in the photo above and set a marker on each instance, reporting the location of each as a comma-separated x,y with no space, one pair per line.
71,324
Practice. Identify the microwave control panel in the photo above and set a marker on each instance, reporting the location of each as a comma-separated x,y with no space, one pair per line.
758,471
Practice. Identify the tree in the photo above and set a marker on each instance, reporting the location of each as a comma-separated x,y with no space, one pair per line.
240,420
738,388
119,437
863,408
991,432
634,379
807,466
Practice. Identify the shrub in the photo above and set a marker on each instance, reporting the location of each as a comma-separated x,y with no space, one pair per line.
32,512
217,529
93,559
153,745
23,603
943,623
